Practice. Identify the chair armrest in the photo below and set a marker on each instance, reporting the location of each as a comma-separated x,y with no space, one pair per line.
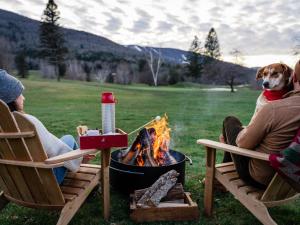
30,164
234,149
75,154
15,135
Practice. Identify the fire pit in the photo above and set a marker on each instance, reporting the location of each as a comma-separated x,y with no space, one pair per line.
127,178
146,159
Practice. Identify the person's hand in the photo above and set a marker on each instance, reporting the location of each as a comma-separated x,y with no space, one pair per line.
221,138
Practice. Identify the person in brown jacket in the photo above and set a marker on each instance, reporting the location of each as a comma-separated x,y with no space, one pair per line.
271,130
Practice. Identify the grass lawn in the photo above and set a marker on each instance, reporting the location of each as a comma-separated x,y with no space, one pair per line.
193,114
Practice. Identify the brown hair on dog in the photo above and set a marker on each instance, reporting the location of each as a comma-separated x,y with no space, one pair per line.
259,73
287,71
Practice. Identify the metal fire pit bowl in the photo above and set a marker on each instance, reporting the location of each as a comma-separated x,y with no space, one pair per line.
127,178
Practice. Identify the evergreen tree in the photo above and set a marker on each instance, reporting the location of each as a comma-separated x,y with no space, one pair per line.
212,47
51,38
174,75
194,61
21,64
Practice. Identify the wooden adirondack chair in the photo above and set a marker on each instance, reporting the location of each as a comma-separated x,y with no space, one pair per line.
256,201
26,176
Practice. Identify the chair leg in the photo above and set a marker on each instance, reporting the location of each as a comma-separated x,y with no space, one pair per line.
209,181
72,207
68,212
3,201
260,211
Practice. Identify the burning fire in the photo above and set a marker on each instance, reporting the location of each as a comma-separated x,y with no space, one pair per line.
160,138
151,146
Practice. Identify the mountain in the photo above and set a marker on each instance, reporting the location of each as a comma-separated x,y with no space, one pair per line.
105,57
22,30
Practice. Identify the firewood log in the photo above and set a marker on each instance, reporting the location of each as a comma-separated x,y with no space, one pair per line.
146,143
167,204
158,190
149,151
132,153
144,140
174,193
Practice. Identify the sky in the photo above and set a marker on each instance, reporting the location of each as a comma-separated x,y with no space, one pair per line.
264,31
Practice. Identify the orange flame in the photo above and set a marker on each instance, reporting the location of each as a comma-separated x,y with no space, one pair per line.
161,137
139,159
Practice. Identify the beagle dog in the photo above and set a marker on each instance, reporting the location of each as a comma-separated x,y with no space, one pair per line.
277,81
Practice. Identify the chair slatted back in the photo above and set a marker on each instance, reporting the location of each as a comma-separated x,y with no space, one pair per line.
278,189
26,184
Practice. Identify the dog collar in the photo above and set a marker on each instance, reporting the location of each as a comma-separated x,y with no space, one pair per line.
274,95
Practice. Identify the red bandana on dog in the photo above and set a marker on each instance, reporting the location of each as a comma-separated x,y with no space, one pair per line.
274,95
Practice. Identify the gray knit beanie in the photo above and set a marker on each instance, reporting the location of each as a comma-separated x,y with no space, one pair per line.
10,87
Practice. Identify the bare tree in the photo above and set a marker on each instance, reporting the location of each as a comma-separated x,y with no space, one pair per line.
237,56
154,60
232,72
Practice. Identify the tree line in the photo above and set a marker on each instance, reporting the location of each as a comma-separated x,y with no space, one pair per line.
200,59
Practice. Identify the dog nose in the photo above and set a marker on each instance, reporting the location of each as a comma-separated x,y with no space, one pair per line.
266,84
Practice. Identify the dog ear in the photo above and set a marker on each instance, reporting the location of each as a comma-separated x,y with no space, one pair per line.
287,71
259,73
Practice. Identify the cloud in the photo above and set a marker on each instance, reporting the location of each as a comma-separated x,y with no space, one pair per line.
90,22
204,27
288,10
27,12
223,28
87,4
38,2
263,3
256,27
192,1
118,10
194,19
143,23
184,29
140,25
216,12
248,8
175,19
65,22
228,4
79,10
164,26
157,5
188,9
143,13
123,2
113,24
15,2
